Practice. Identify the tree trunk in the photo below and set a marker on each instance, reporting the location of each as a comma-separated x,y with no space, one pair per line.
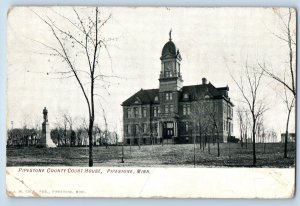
253,144
287,132
241,133
218,143
208,147
200,141
90,133
194,151
246,138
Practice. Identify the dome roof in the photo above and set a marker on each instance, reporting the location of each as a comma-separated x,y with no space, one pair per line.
170,50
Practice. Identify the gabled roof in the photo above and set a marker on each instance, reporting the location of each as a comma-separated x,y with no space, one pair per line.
194,92
142,96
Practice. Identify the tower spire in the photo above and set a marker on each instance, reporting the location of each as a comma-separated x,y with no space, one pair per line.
170,34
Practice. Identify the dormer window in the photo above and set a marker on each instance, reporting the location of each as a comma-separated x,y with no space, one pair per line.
206,96
156,99
185,96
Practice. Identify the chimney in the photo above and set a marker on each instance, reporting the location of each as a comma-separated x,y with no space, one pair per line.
204,81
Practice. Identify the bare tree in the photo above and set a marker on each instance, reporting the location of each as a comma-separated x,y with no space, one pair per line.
81,43
249,86
61,125
286,76
289,106
67,119
201,120
106,133
240,115
82,131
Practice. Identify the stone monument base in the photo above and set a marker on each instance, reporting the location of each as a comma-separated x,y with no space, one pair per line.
45,140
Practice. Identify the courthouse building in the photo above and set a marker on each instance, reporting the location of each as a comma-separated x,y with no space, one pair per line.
174,113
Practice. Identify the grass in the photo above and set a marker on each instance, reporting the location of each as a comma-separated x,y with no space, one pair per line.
155,156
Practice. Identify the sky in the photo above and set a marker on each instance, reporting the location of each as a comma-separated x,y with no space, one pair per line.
213,42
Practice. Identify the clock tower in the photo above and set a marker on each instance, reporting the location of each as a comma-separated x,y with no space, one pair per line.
170,77
170,85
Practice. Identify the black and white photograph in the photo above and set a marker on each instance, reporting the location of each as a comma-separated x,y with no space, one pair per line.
134,94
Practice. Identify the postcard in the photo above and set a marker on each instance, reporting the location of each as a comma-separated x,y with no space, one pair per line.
151,102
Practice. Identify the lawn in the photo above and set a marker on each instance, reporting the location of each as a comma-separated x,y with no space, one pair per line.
155,156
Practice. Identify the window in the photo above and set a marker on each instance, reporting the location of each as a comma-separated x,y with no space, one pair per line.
169,96
155,129
144,128
136,112
186,109
167,74
185,96
156,99
171,108
186,126
155,111
135,129
128,111
127,128
166,108
144,111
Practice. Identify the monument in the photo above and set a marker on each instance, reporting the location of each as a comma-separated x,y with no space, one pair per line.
46,140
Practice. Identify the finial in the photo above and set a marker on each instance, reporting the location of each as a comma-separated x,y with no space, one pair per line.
170,34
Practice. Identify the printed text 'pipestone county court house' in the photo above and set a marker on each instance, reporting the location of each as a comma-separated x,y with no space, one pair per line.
174,113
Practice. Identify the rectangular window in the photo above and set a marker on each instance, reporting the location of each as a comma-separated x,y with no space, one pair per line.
128,110
166,108
155,111
136,112
155,129
188,109
135,129
167,96
171,108
144,128
186,126
128,130
144,111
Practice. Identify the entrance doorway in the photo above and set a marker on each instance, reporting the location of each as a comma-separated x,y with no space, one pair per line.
168,132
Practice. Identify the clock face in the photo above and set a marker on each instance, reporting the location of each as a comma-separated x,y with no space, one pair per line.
169,65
